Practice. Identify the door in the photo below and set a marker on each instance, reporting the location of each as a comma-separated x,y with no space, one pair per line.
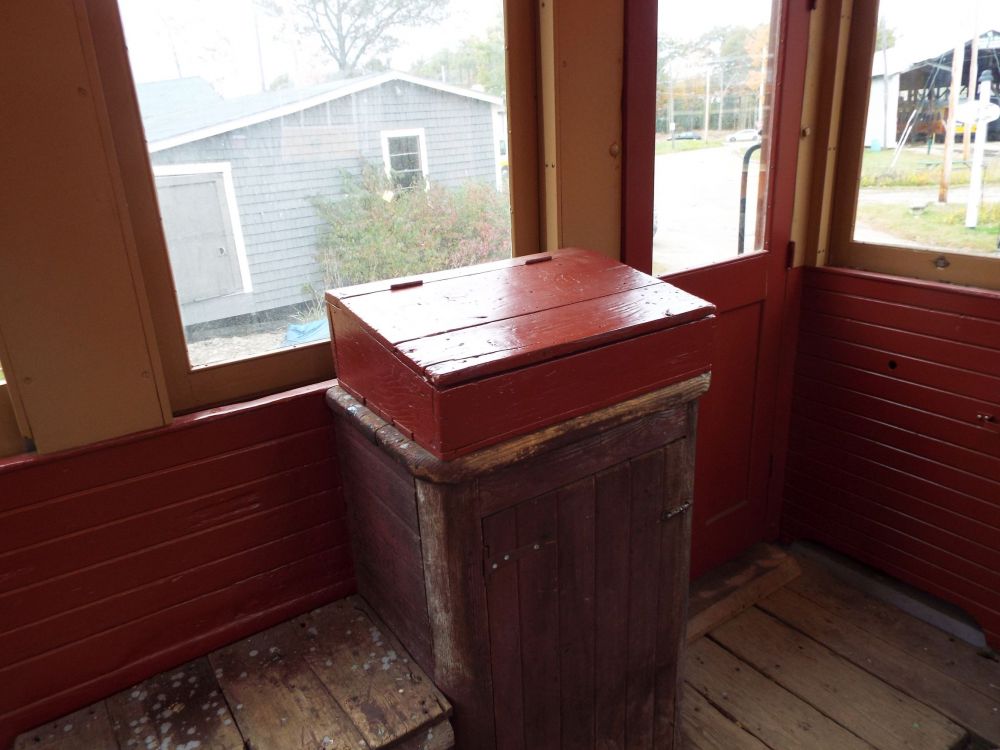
719,105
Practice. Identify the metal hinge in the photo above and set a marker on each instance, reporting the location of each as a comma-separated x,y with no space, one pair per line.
676,511
494,563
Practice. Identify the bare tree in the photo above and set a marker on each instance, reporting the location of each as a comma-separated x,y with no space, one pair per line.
354,32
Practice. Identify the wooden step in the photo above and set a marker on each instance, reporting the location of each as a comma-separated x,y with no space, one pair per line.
334,679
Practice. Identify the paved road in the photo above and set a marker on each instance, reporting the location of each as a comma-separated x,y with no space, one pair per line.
696,197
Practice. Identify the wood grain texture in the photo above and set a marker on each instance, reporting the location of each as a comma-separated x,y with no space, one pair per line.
276,699
428,357
175,709
734,586
893,665
420,463
613,521
500,534
475,298
89,728
138,554
707,728
460,356
646,493
886,623
368,672
875,711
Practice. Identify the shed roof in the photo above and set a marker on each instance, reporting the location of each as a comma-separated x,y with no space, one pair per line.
189,109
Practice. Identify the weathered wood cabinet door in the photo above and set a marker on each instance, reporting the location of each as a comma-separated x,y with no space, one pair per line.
583,586
542,583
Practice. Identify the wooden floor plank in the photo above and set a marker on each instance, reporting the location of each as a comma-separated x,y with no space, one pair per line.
87,729
765,709
706,728
385,694
183,707
730,588
888,662
277,700
977,670
875,711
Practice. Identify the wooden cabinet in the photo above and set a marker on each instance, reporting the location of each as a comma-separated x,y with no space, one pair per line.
541,582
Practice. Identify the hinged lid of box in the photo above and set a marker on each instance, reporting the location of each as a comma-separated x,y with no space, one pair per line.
457,328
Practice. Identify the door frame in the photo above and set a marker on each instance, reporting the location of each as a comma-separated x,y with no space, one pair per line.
769,269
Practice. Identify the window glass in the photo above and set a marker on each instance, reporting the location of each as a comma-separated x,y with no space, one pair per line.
713,93
288,137
930,174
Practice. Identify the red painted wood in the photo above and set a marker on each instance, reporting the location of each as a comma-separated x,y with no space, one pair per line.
638,135
890,464
500,534
576,552
927,295
125,558
538,596
757,281
945,325
460,356
473,299
979,359
809,489
646,493
477,414
444,360
876,555
614,522
977,465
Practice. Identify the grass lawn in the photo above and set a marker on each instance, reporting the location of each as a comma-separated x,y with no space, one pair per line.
937,226
916,167
666,146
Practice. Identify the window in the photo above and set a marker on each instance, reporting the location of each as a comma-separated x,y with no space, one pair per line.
267,164
405,156
918,184
713,132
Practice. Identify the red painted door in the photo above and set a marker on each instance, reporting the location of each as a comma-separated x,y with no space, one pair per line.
695,204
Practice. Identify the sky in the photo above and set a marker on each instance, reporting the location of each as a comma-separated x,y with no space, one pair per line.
220,39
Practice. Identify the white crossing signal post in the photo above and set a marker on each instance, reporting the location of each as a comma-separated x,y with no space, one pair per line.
986,113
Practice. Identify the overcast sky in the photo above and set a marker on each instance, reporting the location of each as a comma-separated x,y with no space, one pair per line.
218,39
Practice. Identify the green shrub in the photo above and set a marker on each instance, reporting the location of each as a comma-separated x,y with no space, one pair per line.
376,231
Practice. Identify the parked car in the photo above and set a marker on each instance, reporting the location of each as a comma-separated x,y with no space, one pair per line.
687,135
750,134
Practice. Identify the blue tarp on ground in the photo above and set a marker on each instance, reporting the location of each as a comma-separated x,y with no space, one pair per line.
306,333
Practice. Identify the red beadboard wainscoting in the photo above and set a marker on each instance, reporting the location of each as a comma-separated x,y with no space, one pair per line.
889,460
123,559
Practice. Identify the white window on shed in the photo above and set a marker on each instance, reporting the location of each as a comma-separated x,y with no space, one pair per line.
405,155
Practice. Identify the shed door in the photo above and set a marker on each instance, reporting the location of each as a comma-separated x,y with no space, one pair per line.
199,232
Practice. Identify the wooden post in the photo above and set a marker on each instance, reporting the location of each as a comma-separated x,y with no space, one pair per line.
973,77
957,58
982,124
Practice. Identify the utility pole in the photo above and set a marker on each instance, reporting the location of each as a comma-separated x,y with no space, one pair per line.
973,77
982,125
708,86
957,58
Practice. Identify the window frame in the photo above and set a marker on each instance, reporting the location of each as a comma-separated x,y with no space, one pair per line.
421,136
918,263
190,389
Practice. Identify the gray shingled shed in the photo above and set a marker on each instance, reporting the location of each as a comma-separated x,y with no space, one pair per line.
236,177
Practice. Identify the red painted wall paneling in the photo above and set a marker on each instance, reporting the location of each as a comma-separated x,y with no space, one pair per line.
125,558
888,460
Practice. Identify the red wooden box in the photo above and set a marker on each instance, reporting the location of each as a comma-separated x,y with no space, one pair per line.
462,359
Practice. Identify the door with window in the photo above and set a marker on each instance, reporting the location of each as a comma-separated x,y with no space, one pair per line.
724,114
